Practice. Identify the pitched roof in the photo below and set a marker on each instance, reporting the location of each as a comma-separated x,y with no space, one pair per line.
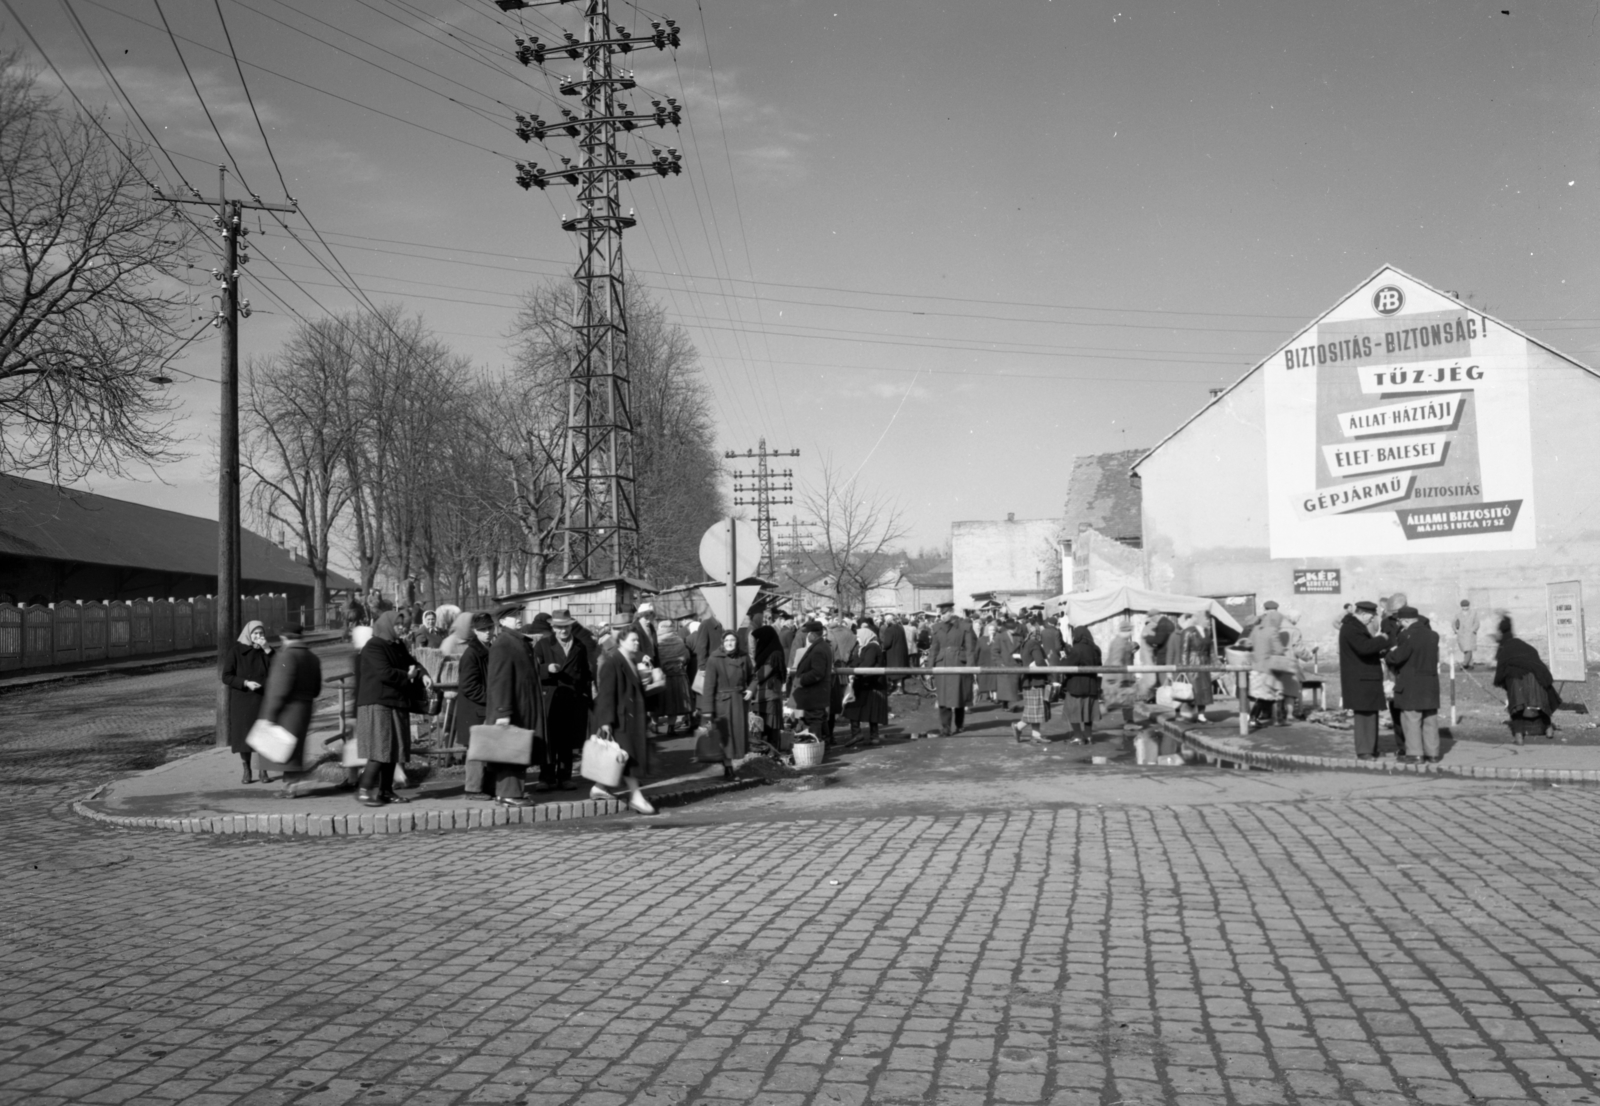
37,520
1100,494
1300,333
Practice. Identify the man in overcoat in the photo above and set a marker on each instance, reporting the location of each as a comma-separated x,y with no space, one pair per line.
895,654
513,700
812,677
1414,659
952,644
566,677
1361,650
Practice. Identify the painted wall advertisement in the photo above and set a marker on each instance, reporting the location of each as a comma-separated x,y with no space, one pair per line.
1398,423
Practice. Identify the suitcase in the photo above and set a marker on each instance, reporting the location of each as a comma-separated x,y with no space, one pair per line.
501,745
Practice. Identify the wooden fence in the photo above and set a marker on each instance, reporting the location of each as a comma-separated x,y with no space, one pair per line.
63,634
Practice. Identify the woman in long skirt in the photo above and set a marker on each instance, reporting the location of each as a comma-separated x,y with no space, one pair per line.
1196,649
1083,689
386,671
725,700
244,670
673,655
1035,689
1531,695
291,694
620,714
871,704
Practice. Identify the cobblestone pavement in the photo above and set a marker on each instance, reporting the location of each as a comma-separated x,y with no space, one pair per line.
1377,951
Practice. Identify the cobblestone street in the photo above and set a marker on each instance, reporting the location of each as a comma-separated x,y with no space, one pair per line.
1421,949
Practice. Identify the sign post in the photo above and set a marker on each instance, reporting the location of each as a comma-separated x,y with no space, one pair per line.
730,550
1569,658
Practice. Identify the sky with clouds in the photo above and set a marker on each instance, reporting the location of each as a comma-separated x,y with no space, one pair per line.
945,246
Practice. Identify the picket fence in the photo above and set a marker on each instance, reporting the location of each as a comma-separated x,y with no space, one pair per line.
45,636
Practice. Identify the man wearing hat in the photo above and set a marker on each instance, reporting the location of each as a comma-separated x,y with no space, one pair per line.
1361,649
1466,628
952,644
513,700
771,670
1414,659
813,675
566,675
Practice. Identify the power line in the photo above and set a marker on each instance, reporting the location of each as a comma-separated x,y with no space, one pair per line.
214,129
249,99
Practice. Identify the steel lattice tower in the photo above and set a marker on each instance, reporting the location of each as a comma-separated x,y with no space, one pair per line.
599,522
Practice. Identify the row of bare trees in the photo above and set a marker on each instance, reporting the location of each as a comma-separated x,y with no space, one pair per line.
367,438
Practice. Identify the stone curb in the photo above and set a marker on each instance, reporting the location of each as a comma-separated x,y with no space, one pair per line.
1348,764
378,822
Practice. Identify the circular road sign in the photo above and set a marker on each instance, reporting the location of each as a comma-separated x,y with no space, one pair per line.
714,549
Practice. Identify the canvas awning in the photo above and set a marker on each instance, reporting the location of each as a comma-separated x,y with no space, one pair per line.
1085,608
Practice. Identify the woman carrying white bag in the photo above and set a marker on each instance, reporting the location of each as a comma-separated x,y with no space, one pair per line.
619,717
293,684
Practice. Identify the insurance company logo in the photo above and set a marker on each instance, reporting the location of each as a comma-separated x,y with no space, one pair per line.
1388,299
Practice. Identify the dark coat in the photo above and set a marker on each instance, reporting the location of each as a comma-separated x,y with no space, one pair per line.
472,689
649,640
786,635
1054,647
1034,652
952,645
1415,663
564,695
1006,688
1361,667
770,667
619,703
381,679
896,654
871,703
513,688
1084,652
240,663
292,689
705,641
723,702
812,678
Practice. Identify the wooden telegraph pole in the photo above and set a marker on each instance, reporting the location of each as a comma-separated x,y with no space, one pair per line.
230,220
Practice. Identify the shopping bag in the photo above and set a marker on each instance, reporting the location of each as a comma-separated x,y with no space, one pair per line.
1182,691
272,741
654,680
603,761
698,685
501,745
708,742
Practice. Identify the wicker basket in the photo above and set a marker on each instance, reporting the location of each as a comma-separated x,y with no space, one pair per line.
809,754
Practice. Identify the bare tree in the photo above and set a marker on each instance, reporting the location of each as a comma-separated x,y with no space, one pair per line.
855,530
291,450
89,300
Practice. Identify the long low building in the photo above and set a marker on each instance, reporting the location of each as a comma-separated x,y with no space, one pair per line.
61,545
1403,441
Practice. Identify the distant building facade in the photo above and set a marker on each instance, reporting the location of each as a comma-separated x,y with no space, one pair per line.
1014,560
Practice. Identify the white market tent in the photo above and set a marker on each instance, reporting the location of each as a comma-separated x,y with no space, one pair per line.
1085,608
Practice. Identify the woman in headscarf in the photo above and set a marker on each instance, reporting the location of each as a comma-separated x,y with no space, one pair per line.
460,638
1266,657
291,693
1083,689
620,714
385,673
244,670
1195,648
871,704
1121,690
1035,689
725,700
675,661
1530,689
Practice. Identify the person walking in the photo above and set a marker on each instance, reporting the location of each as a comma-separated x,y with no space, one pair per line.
512,694
811,679
1414,659
871,703
1466,630
619,713
565,668
244,670
951,644
1531,696
1361,650
387,674
290,697
726,701
472,692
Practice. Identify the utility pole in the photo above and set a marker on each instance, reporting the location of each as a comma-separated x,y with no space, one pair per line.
230,221
599,521
768,484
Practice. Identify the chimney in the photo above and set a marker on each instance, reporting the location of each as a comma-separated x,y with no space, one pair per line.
1011,516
